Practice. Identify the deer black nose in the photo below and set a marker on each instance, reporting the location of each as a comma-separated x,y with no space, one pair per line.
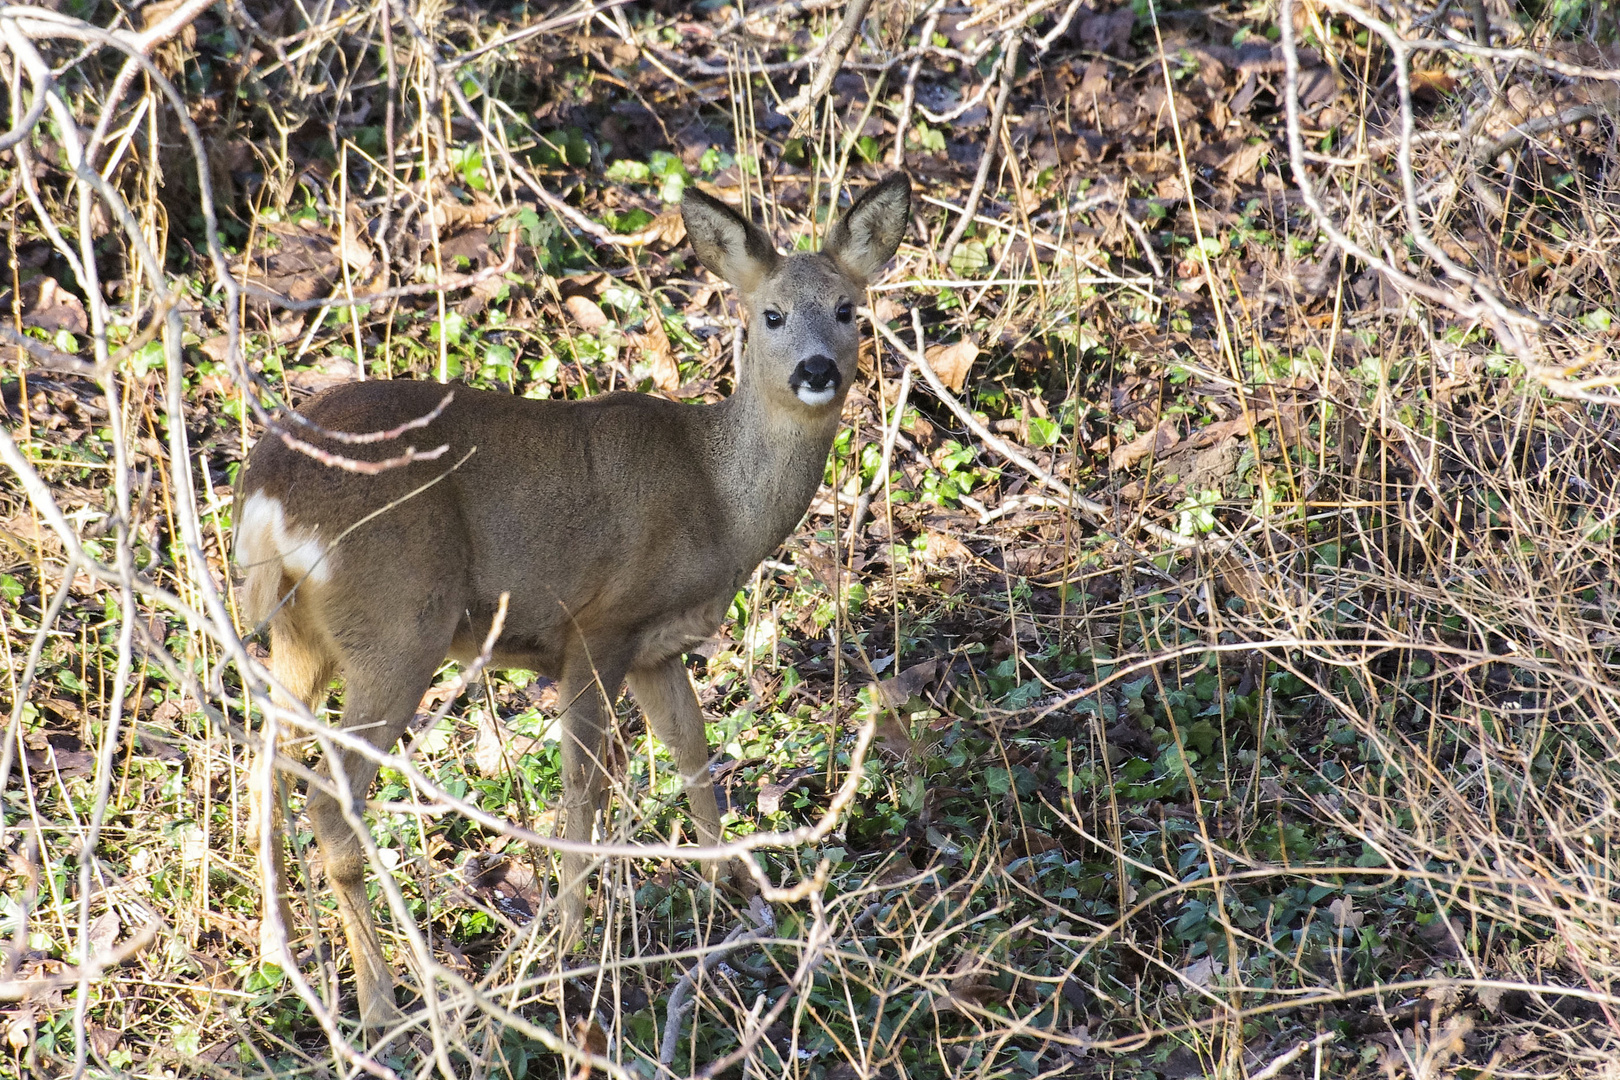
816,375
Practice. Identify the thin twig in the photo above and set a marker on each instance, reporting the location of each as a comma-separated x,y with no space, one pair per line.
1519,134
740,937
90,970
1511,328
1009,66
1282,1061
908,93
891,431
800,105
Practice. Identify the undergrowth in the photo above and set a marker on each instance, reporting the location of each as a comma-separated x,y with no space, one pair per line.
1258,722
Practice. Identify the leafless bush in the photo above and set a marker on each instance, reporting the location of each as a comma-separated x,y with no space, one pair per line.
1417,582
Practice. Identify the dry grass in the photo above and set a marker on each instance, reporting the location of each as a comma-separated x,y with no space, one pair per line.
1259,722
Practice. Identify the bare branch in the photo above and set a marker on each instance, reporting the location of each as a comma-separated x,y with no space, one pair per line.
831,58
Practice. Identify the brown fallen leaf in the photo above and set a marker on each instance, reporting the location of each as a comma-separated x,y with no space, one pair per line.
1517,1046
586,313
1291,422
354,251
104,931
489,749
155,745
700,300
20,1028
43,972
471,245
771,794
953,362
1210,434
69,763
669,227
1106,33
289,329
219,1052
970,991
590,1037
1147,162
1432,85
910,682
46,305
588,285
938,546
1094,81
892,736
294,259
655,348
65,708
1242,164
1200,974
24,534
329,372
886,310
480,295
1032,842
1344,913
54,308
104,1039
452,215
1155,441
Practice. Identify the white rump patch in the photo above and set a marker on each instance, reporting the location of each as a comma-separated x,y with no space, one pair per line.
816,397
263,536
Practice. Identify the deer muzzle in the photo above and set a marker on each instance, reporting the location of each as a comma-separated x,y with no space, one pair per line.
815,380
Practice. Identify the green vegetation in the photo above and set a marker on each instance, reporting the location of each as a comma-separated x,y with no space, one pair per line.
1302,735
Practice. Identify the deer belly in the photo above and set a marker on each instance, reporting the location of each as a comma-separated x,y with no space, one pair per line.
680,633
517,647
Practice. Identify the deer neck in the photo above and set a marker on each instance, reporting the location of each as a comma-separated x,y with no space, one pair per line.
769,463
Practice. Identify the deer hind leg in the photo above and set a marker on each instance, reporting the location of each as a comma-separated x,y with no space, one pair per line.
665,692
303,669
585,693
380,699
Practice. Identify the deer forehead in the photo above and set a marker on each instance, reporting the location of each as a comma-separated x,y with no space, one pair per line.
806,280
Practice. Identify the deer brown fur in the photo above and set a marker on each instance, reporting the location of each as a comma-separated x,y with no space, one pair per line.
621,527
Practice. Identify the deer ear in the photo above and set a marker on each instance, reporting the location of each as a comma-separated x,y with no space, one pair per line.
726,242
866,238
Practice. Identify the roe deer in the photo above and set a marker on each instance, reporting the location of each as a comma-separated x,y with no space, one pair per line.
621,527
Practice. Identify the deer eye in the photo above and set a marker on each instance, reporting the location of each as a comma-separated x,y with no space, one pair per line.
773,319
846,311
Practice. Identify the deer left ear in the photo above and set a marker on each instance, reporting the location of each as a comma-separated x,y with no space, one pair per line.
726,242
867,237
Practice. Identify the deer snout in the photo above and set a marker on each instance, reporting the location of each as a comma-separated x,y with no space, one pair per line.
815,380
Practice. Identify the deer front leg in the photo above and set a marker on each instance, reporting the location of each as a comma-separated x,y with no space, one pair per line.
665,692
586,693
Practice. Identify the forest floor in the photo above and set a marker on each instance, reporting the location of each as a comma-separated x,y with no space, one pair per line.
1216,675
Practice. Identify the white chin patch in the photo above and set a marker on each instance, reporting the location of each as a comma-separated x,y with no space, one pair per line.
816,397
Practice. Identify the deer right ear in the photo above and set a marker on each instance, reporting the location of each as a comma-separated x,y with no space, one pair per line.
726,242
867,237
